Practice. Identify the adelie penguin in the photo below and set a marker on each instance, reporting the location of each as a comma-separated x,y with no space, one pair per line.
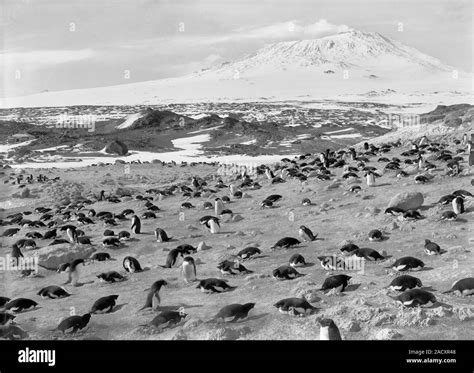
298,306
432,248
172,258
5,317
20,305
368,254
338,283
348,249
415,298
53,292
73,272
462,287
214,285
100,257
188,269
408,263
286,242
458,205
110,277
286,272
329,331
104,304
132,265
228,267
297,260
74,323
167,319
161,235
136,225
233,312
249,252
306,234
405,282
3,301
153,299
375,235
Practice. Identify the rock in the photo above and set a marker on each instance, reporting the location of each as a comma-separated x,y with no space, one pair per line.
239,233
202,246
407,200
311,295
192,323
237,218
12,332
230,247
191,227
50,257
180,336
25,193
116,147
386,334
353,326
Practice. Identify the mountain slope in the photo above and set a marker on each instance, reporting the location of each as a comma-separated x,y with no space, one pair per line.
350,63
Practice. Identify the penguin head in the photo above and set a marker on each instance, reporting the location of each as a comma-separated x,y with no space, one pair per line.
325,323
114,297
182,313
86,317
249,306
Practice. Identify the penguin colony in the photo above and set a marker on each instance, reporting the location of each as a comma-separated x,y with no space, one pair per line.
68,224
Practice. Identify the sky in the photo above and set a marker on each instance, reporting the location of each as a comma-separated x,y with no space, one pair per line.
53,45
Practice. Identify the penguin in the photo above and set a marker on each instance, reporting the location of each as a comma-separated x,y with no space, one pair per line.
300,306
329,331
20,305
71,234
111,242
214,285
306,202
214,226
166,319
408,263
189,269
248,252
101,195
228,267
124,236
297,260
53,292
286,272
349,248
207,205
186,249
432,248
73,272
274,198
368,254
136,224
100,257
462,287
412,215
132,265
10,232
233,312
458,205
416,297
218,206
306,234
337,282
286,242
110,277
161,235
172,258
16,253
394,211
153,298
34,235
375,235
449,215
5,317
4,300
74,323
370,178
104,304
148,215
63,267
50,234
266,204
405,282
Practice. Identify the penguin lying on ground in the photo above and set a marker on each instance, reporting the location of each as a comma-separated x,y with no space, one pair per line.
233,312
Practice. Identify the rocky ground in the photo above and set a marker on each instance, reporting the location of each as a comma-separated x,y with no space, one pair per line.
364,311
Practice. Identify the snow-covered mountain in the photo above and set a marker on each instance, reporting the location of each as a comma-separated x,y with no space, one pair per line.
347,64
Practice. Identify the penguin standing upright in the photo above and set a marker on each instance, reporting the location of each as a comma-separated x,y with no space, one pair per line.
153,298
73,272
136,224
218,206
464,139
306,234
421,162
71,234
329,331
189,269
102,195
370,178
458,205
232,190
16,253
214,226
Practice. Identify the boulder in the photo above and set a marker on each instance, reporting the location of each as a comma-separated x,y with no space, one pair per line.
407,200
116,147
50,257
